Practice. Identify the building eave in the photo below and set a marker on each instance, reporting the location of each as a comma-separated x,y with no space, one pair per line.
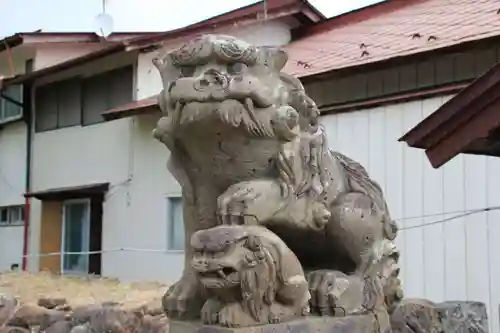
144,106
467,123
241,16
32,76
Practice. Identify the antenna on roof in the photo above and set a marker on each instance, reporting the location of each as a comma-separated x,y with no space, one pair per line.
103,22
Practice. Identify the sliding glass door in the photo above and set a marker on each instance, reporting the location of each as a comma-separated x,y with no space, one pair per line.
76,237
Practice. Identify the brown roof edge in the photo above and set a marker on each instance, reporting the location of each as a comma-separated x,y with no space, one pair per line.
467,99
28,77
144,106
47,37
70,192
230,17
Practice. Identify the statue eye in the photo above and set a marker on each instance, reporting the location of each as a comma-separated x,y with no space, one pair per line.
236,68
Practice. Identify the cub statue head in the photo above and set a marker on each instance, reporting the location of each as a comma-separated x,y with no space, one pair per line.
250,276
221,77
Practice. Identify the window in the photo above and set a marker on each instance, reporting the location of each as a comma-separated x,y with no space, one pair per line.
9,110
12,215
106,91
175,224
81,101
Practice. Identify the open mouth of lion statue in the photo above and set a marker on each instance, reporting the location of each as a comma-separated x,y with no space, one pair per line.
219,277
226,80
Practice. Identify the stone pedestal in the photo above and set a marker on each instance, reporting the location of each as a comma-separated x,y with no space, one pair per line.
464,316
350,324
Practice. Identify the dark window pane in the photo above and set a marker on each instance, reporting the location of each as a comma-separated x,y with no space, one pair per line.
69,103
11,110
95,98
45,108
121,86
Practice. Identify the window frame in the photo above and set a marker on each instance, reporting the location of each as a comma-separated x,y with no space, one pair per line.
3,103
171,223
10,222
108,77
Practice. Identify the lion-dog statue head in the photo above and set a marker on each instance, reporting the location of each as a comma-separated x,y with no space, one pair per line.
251,270
238,83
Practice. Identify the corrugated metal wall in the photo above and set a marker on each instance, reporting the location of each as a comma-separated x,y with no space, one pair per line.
452,259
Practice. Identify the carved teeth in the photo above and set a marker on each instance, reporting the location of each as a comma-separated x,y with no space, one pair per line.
221,273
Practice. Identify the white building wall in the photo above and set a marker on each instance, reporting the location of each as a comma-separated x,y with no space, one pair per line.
82,155
51,54
12,184
268,33
12,168
13,139
457,259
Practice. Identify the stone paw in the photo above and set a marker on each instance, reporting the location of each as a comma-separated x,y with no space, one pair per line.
249,202
321,285
278,314
183,299
210,312
334,293
233,315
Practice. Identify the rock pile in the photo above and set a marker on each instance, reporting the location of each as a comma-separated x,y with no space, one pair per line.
55,315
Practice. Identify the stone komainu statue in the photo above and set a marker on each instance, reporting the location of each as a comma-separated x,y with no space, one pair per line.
248,150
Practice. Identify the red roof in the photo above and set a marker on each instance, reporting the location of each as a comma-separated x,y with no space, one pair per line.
391,29
302,10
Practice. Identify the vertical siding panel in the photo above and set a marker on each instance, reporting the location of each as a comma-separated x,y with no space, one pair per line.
329,123
493,240
344,133
377,154
356,137
455,242
433,233
413,205
441,260
475,229
394,174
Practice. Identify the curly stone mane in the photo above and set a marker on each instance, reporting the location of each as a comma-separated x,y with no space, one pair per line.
263,276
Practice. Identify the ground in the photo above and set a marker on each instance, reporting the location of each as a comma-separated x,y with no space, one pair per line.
49,303
78,291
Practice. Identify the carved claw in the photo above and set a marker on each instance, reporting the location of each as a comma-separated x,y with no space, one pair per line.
210,312
321,284
250,202
232,315
183,300
334,293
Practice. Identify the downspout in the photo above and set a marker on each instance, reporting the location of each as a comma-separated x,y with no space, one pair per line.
28,116
27,200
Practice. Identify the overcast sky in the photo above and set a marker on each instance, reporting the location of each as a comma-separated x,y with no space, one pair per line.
131,15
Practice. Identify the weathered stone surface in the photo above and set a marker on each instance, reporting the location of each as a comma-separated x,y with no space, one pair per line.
64,326
351,324
107,317
156,324
14,329
416,316
464,317
34,315
51,303
8,306
247,148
